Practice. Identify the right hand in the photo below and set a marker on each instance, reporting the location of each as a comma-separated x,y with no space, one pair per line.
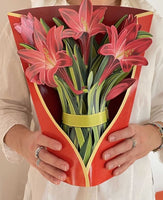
50,166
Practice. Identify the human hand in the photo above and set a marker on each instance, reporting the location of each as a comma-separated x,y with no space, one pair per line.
49,165
136,141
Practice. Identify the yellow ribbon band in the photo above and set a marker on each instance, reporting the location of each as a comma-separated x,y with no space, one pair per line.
85,120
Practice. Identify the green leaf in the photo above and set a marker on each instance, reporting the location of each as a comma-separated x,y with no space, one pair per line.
90,80
143,34
105,40
74,72
27,46
61,94
72,107
86,150
44,24
96,136
59,22
73,137
101,69
120,21
96,63
91,99
80,65
97,97
92,52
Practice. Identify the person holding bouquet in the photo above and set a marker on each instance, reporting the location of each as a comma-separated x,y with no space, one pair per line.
129,158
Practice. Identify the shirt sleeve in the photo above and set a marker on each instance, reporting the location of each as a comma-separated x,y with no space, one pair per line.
157,84
15,107
156,59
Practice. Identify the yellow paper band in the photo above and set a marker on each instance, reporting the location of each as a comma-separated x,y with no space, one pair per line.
85,120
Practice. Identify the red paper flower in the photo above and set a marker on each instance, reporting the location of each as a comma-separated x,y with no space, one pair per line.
126,48
25,28
118,89
48,56
84,24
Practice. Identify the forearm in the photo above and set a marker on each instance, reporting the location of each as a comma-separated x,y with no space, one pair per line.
25,142
16,136
156,128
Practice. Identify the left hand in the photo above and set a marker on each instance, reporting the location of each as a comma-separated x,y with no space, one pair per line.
125,153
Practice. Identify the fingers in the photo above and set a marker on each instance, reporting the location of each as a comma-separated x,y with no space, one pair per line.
49,165
120,160
121,169
52,179
124,153
43,140
122,134
57,174
53,160
118,149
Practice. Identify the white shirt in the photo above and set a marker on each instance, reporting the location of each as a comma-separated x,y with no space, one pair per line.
15,108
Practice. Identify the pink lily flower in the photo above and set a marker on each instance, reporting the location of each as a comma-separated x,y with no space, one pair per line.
48,57
126,48
84,24
120,88
25,28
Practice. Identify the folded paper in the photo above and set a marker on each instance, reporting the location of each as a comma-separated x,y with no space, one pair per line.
49,111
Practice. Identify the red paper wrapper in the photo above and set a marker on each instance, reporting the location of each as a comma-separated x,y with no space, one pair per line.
49,111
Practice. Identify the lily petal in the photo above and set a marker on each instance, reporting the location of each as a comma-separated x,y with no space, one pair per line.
33,73
85,13
131,32
71,18
110,67
31,56
127,63
97,16
39,35
139,45
120,88
99,28
50,77
106,49
63,60
54,41
67,33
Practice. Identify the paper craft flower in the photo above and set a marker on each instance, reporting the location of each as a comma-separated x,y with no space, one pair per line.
25,28
48,57
126,48
86,73
83,25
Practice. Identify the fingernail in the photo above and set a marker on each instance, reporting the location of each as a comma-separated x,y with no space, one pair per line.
106,156
110,167
62,177
65,167
112,138
116,173
58,147
57,182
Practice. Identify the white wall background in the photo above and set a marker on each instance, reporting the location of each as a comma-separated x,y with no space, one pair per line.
13,177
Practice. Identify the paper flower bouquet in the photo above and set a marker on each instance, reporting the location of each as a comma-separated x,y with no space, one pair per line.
79,61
